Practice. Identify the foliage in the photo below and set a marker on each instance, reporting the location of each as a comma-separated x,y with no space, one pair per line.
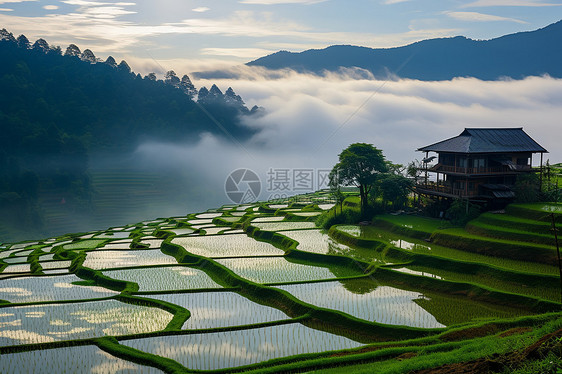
527,188
56,110
461,212
360,165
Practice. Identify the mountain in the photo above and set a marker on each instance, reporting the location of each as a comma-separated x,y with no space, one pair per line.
58,110
515,56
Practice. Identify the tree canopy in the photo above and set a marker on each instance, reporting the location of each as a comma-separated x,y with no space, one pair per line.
360,165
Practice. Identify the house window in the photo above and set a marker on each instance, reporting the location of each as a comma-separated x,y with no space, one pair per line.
461,162
479,163
523,161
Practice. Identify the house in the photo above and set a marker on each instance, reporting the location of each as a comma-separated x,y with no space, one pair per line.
480,164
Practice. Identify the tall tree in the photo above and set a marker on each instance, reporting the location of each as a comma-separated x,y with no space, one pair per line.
73,50
188,87
360,165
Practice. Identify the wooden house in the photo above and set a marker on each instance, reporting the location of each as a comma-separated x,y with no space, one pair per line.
480,164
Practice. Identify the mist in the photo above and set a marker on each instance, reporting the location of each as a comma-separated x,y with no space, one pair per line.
308,120
305,123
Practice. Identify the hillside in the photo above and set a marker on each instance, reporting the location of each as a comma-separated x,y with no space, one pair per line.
516,56
58,110
259,288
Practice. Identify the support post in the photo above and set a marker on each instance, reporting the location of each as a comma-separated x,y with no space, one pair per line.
554,230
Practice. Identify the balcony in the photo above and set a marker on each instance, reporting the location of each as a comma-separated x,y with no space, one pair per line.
509,169
433,188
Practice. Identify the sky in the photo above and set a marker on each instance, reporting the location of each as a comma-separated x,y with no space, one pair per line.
192,35
306,120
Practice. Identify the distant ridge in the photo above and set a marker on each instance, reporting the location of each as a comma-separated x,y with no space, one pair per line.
516,56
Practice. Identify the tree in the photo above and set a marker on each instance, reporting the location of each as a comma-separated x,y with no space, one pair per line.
335,190
72,50
172,79
41,45
88,56
7,36
111,62
360,165
124,67
151,77
23,42
203,94
188,87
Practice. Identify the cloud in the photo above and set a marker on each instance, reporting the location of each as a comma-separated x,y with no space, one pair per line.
50,7
309,120
6,10
514,3
480,17
201,9
14,1
242,53
275,2
388,2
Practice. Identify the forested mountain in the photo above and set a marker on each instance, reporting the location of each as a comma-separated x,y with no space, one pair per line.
57,108
516,56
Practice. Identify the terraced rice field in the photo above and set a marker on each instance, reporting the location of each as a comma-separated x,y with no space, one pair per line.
159,296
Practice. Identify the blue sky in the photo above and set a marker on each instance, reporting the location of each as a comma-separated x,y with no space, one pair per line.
203,33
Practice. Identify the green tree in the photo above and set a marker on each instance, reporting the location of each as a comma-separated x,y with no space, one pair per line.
360,165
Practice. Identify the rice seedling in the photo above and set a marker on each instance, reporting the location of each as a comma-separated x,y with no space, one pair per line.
55,265
230,349
422,273
235,231
213,230
367,300
49,288
115,246
221,309
226,246
182,231
200,221
231,219
54,322
152,242
164,278
84,244
307,214
112,235
116,259
280,226
268,219
208,215
82,359
19,268
279,270
315,241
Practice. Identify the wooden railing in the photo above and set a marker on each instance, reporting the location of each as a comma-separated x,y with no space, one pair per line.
440,168
431,186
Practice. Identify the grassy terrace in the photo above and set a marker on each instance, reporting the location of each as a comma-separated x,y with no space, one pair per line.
209,292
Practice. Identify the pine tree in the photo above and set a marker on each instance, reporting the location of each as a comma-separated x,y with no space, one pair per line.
23,42
188,87
172,79
88,56
124,67
73,51
203,94
5,35
215,93
111,62
41,45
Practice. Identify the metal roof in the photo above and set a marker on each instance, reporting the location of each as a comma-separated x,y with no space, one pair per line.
487,140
